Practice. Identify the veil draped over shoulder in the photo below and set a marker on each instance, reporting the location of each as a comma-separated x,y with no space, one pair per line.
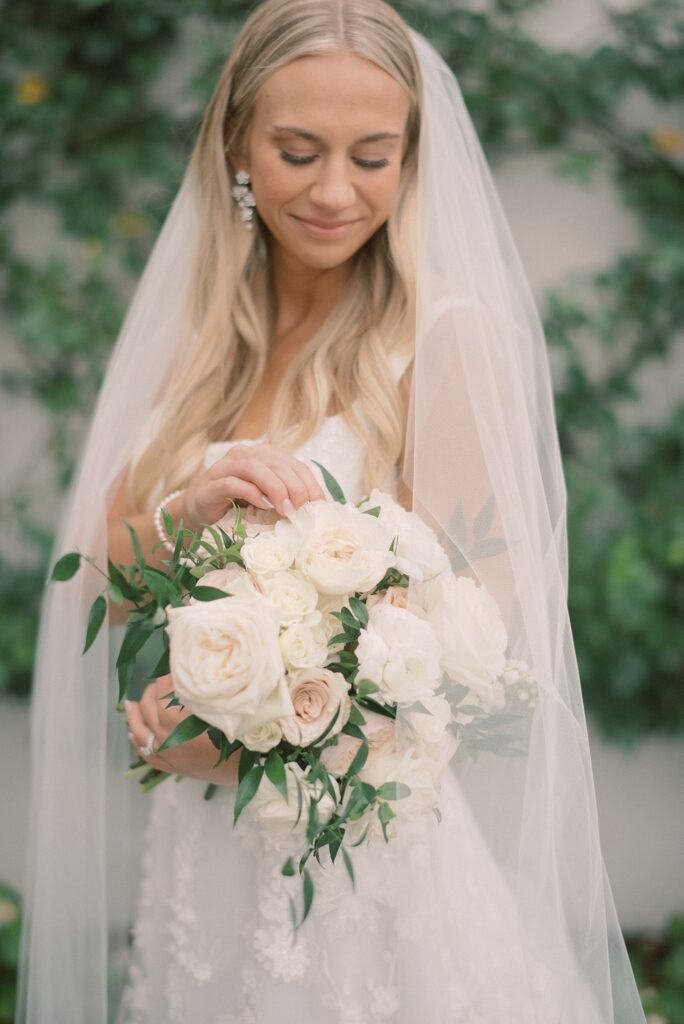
482,462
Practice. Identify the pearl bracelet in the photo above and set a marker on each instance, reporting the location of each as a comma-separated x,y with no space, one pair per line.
158,520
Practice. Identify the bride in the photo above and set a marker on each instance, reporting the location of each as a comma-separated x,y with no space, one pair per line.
335,285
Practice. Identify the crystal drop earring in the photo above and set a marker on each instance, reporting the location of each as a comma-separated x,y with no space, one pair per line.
245,199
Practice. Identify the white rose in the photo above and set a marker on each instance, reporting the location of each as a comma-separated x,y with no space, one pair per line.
263,554
303,646
419,553
225,660
399,652
262,737
430,728
316,695
470,630
340,549
293,595
270,808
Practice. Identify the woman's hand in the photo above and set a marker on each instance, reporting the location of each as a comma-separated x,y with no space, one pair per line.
196,758
259,474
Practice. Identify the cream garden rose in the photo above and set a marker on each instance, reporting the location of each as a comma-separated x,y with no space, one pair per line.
419,553
264,554
340,549
470,629
303,646
293,595
399,652
226,662
316,695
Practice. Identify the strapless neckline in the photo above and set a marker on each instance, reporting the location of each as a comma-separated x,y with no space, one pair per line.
241,440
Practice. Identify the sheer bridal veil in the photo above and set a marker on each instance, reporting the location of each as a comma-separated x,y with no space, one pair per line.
482,461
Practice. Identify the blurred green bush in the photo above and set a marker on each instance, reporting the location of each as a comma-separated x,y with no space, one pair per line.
93,137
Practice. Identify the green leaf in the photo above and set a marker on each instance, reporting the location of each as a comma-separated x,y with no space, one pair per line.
328,727
349,866
65,567
393,790
246,789
364,687
487,548
275,772
355,715
187,729
353,730
247,759
288,867
210,790
203,593
484,517
360,759
136,637
135,540
124,673
163,667
331,483
129,591
359,609
308,886
98,610
385,814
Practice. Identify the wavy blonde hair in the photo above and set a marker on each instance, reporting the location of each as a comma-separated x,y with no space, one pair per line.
346,360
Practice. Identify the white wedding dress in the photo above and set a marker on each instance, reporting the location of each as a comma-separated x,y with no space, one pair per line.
213,943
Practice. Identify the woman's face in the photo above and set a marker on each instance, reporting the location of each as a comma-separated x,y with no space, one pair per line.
311,154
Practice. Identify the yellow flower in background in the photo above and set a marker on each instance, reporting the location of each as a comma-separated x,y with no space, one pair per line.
92,247
129,224
31,89
9,912
667,140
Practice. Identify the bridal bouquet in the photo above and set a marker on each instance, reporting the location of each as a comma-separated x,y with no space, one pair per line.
297,642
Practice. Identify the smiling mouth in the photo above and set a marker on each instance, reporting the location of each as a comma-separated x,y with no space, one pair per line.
321,231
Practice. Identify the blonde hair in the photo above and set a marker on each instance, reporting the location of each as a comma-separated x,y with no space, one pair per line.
347,359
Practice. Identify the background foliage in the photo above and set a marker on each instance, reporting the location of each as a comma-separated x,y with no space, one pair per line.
97,135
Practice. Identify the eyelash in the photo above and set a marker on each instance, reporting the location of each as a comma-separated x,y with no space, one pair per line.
290,158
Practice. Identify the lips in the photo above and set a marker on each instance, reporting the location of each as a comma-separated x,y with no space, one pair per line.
324,223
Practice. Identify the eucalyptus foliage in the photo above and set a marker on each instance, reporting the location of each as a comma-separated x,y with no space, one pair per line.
92,138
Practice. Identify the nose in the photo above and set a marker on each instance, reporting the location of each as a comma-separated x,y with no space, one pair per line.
332,189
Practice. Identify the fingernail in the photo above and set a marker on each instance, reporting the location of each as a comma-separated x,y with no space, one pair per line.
127,703
267,503
288,506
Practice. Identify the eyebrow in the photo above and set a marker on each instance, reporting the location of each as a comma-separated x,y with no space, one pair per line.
311,137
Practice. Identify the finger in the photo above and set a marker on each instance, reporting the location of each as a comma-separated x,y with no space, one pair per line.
149,707
314,490
136,723
266,479
227,487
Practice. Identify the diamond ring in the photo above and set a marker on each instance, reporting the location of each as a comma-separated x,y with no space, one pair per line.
149,746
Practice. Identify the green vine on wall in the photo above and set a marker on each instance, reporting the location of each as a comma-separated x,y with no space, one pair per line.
93,139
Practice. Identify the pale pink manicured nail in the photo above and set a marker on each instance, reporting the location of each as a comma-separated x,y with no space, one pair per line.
269,504
288,506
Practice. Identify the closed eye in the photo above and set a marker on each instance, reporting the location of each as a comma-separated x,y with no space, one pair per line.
368,164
